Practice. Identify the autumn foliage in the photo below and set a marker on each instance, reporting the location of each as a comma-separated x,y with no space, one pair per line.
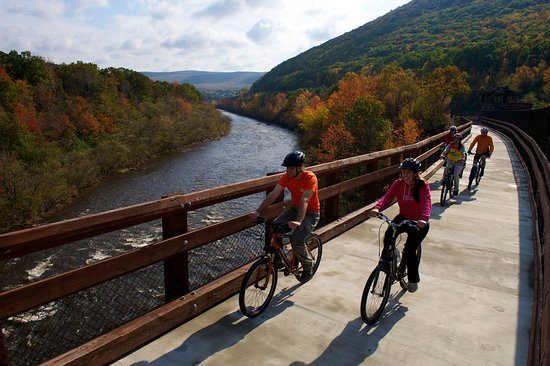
363,112
64,127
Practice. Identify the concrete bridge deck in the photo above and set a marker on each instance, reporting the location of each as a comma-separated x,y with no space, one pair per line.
473,306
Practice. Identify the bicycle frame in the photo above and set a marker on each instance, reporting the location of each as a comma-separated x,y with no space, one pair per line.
447,185
277,247
392,247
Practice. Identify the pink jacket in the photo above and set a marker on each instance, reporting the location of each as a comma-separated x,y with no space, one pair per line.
408,207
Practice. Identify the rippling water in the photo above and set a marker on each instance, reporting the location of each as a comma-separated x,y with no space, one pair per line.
251,150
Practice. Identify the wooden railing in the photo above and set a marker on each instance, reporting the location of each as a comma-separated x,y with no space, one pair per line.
538,175
181,304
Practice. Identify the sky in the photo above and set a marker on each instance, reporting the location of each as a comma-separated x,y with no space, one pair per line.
172,35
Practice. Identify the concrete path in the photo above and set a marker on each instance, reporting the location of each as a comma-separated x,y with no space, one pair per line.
473,306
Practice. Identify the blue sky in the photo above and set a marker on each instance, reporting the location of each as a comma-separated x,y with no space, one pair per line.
172,35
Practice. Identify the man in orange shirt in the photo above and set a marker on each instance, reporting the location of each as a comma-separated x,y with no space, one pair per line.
484,148
304,213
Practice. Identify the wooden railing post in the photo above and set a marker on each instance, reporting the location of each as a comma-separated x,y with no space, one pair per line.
332,205
176,269
3,353
279,199
370,194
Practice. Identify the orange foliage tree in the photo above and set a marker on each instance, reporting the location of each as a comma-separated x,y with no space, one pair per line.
83,118
350,88
408,134
336,143
25,113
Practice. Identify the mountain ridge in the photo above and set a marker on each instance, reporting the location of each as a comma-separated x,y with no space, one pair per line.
208,80
472,34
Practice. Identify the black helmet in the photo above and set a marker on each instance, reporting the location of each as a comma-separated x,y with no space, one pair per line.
452,128
295,158
410,164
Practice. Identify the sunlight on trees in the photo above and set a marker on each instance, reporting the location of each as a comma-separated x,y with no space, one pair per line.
64,127
336,143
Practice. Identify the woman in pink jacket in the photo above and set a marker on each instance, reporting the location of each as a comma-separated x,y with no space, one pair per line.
414,199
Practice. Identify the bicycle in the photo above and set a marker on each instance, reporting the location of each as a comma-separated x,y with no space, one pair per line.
478,168
377,289
260,280
447,185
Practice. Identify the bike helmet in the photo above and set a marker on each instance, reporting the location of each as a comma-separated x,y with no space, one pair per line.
295,158
457,136
452,128
410,164
484,130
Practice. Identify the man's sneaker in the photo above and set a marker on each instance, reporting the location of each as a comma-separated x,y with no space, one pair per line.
306,275
455,193
413,286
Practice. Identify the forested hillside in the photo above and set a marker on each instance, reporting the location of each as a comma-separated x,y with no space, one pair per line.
496,42
64,127
404,75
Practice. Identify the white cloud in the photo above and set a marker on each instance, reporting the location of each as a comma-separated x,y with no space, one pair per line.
262,31
169,35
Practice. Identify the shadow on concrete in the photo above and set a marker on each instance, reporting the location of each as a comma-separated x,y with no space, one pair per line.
222,334
358,341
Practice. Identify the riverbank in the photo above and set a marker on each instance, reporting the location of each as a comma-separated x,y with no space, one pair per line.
45,191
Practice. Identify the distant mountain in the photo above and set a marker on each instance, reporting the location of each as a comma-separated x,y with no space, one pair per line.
209,81
485,38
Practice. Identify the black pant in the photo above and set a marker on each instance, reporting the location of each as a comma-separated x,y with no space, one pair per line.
414,238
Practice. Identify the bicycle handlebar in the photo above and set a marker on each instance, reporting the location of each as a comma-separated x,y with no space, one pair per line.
411,223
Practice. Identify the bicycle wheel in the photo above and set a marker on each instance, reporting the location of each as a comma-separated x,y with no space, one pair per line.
478,177
444,191
257,288
375,295
403,279
315,251
473,176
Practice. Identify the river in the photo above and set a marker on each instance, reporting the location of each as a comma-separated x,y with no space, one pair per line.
251,150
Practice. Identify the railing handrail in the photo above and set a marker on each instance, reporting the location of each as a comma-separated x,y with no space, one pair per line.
34,239
538,176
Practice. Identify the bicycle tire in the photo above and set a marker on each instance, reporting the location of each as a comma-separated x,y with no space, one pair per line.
404,281
375,295
257,288
473,176
473,172
478,178
444,190
315,251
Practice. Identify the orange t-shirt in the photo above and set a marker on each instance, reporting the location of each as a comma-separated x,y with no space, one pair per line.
306,182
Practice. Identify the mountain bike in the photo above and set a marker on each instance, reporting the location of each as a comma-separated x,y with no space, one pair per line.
478,168
377,289
447,185
259,282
